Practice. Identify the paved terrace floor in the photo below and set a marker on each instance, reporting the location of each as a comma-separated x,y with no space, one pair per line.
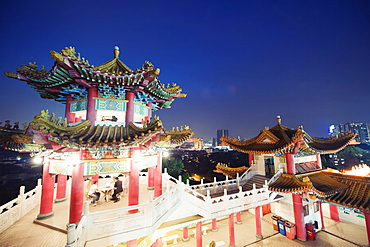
27,233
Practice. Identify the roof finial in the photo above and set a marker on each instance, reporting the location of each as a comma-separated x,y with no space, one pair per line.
278,119
116,52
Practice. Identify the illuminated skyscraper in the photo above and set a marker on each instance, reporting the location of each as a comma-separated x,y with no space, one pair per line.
362,130
220,133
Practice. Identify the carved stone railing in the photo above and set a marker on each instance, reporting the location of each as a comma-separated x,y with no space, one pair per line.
15,209
130,222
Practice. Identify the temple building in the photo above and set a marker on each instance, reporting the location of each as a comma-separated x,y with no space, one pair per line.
291,158
109,129
108,126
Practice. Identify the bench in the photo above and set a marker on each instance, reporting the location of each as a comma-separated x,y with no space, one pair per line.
169,238
218,244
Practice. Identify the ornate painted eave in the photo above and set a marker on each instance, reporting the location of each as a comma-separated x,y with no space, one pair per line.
73,73
355,196
230,172
319,182
85,135
288,183
281,139
175,137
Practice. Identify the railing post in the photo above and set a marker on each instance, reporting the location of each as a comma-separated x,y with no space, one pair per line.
71,235
237,179
180,179
214,179
86,208
22,200
151,195
201,181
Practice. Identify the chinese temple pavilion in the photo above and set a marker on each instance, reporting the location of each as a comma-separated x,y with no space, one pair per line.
108,126
292,158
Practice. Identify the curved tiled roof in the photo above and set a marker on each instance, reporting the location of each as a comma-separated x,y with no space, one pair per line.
288,183
355,196
85,135
231,172
281,139
53,131
175,138
71,72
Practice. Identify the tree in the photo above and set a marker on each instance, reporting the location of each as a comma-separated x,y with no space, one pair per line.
174,166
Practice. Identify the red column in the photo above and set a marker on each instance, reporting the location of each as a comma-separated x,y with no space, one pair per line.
129,108
318,160
290,165
367,224
334,213
199,234
61,188
231,231
214,225
132,243
77,192
321,214
299,217
68,114
158,176
133,188
250,159
149,110
91,102
47,192
258,221
151,171
238,218
159,242
185,234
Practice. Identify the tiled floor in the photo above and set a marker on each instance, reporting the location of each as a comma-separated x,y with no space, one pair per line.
25,233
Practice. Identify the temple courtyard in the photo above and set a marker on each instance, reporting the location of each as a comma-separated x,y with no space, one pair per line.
52,231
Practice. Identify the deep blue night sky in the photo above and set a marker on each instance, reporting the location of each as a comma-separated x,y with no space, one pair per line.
241,63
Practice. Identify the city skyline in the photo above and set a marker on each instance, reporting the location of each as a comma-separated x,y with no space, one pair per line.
241,63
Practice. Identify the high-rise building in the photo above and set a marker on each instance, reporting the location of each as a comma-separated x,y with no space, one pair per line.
220,133
362,130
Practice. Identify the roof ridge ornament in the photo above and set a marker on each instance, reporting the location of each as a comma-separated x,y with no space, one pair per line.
116,52
278,119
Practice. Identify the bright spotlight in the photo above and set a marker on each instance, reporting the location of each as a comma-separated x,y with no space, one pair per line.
37,160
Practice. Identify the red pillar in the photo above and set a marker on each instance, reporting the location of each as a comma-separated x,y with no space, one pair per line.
149,110
185,234
47,192
151,171
133,188
297,202
367,224
199,234
231,231
159,242
158,176
238,218
318,160
334,213
251,159
129,108
214,225
91,103
132,243
258,221
61,188
290,165
299,217
77,192
321,214
68,114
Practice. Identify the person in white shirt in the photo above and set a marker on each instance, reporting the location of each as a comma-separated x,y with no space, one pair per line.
94,193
